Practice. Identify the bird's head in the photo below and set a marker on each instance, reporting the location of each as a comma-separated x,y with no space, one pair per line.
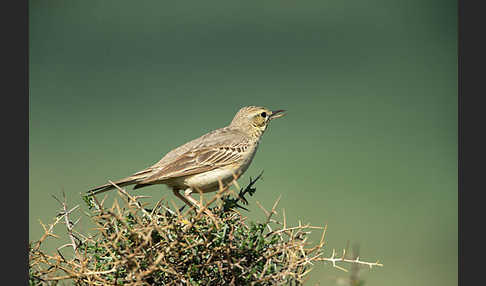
254,119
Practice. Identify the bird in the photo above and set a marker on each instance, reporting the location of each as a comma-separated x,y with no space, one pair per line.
201,164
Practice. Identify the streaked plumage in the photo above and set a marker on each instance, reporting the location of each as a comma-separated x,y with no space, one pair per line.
200,163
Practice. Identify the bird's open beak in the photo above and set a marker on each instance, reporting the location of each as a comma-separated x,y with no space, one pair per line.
277,114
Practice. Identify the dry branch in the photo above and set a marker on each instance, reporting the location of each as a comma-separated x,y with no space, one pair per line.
136,246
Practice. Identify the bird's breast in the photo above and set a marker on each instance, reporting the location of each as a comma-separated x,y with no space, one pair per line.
248,158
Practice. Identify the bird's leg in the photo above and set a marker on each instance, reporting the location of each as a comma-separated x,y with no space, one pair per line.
187,194
190,201
187,202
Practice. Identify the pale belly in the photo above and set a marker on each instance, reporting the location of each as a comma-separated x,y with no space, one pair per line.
209,181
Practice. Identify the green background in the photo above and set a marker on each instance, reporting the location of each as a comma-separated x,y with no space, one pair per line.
369,145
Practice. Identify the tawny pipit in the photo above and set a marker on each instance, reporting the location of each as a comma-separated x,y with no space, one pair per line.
199,165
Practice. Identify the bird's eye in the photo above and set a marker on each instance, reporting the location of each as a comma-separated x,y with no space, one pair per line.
263,114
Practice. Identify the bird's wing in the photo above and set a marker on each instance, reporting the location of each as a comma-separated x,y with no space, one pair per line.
216,149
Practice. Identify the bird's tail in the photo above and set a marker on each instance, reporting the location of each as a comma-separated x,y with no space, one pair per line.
106,187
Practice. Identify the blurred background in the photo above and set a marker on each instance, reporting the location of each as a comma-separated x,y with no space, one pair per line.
368,147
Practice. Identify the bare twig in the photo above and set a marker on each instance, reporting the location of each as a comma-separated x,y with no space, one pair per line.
136,247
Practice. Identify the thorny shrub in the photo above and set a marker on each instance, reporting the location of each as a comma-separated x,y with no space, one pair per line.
134,245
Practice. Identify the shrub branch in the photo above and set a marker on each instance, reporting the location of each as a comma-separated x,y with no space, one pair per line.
134,245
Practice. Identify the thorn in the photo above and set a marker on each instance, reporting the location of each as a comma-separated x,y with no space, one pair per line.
182,208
